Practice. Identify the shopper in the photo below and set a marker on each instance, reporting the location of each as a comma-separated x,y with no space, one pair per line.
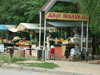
52,51
48,45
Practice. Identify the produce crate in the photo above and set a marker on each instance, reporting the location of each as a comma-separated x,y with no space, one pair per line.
74,58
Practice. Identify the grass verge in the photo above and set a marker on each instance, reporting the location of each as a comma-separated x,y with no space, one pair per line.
7,59
41,65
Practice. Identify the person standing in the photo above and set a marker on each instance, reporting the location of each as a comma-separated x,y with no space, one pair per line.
48,45
52,51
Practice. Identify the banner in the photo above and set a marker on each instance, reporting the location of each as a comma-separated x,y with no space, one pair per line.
66,16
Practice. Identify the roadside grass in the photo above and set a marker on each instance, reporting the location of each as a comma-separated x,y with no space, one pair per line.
7,59
41,65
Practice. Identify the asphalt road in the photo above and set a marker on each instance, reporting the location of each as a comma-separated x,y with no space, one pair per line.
15,72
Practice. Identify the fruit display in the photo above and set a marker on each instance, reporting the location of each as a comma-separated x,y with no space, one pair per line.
1,41
60,40
16,38
23,42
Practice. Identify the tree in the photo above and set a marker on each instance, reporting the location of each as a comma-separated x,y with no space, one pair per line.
92,9
64,7
17,11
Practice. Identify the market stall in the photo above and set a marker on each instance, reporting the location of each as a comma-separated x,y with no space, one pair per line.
75,39
45,14
32,29
4,37
24,42
63,47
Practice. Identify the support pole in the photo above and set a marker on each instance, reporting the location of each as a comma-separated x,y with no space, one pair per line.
11,53
44,54
81,40
61,34
87,43
40,32
24,53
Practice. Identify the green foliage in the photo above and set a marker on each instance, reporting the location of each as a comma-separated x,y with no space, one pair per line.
41,65
64,7
17,11
15,59
7,59
92,9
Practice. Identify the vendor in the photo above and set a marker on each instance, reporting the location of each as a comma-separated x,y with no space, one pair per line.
48,45
13,35
72,35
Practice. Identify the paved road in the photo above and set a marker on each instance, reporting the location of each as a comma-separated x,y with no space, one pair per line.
15,72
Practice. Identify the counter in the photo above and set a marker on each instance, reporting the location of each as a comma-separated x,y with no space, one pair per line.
2,45
60,50
27,52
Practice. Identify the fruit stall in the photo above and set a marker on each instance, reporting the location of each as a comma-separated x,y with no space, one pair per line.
25,42
68,42
32,29
5,37
66,47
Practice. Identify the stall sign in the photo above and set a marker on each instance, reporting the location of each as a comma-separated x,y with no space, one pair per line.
66,16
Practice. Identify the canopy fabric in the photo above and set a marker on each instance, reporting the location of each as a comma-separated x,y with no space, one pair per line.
2,27
28,26
66,24
5,27
10,26
24,26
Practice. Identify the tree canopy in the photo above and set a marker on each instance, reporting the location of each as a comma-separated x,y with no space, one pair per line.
16,11
92,9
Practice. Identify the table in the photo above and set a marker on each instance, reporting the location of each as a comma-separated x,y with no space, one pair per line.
27,52
18,48
61,48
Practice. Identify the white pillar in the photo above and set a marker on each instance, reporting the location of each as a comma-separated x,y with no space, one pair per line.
40,32
44,36
87,39
82,37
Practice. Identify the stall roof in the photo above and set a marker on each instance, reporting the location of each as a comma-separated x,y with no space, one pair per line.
2,27
29,25
23,26
66,24
10,26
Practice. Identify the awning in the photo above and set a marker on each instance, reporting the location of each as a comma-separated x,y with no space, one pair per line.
25,26
10,26
2,27
5,27
66,24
